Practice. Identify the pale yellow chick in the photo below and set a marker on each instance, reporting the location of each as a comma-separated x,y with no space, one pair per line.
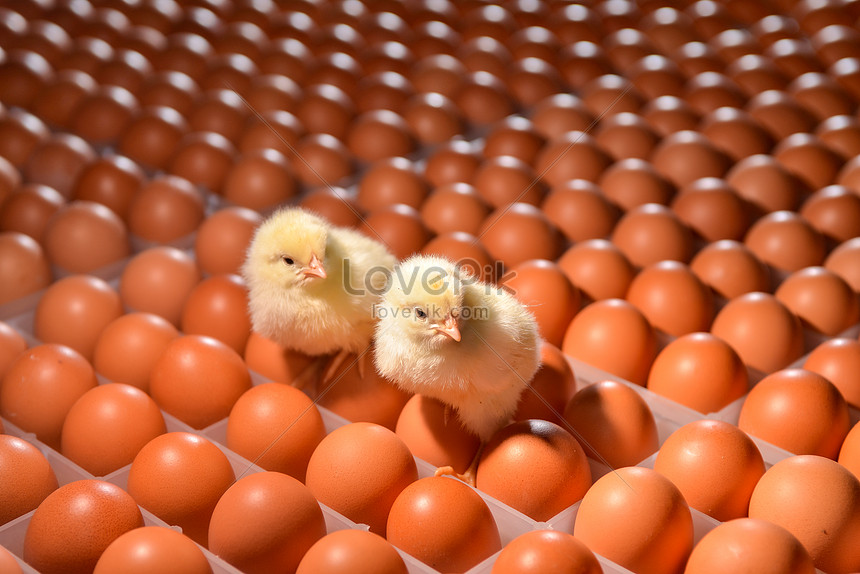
444,335
312,285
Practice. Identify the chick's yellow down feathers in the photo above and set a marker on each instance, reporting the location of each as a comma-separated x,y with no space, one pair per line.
312,285
468,344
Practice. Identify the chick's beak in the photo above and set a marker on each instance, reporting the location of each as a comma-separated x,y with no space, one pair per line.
450,328
315,268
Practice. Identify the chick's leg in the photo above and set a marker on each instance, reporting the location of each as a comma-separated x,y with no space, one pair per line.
469,475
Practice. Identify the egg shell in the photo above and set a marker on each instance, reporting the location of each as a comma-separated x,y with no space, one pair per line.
519,232
514,136
151,136
483,98
626,135
352,552
842,261
203,158
849,454
551,388
28,208
452,162
108,425
217,307
12,343
822,300
637,518
689,455
75,310
798,410
506,179
834,211
22,132
564,112
23,264
467,251
153,549
111,180
249,530
73,526
379,134
765,183
816,499
391,180
359,470
837,360
336,204
56,372
615,336
700,371
276,426
598,268
547,552
806,156
571,155
399,227
180,477
57,162
613,423
444,523
763,331
632,182
27,477
543,288
276,363
198,379
558,474
749,545
580,210
713,210
259,180
730,269
651,233
82,236
158,280
166,209
8,562
219,111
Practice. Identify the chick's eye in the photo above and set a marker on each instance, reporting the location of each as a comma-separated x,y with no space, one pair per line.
420,313
288,260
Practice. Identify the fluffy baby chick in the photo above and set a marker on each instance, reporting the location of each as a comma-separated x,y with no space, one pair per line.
312,286
468,344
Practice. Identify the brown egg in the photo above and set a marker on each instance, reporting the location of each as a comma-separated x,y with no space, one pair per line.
808,158
288,56
655,75
433,118
112,180
467,251
383,90
754,74
108,425
337,65
336,204
57,162
272,93
152,135
27,477
580,210
56,102
267,358
12,343
841,134
484,99
220,111
611,93
547,293
685,156
198,379
326,109
842,261
699,371
572,155
691,453
203,158
22,132
559,114
391,180
74,310
431,434
821,95
73,526
561,474
443,523
23,265
453,162
651,233
613,423
626,135
23,74
179,477
217,307
503,180
454,207
794,56
834,359
822,300
514,136
576,22
485,54
735,133
399,227
764,182
835,42
158,280
520,232
259,180
710,91
637,518
758,545
166,209
83,236
171,89
531,79
817,500
713,210
359,470
153,549
799,411
379,134
834,211
544,550
352,552
440,73
849,454
786,241
633,339
669,114
632,182
778,113
101,117
223,238
695,57
598,269
626,46
322,159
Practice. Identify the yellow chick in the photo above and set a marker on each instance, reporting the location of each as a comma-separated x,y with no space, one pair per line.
471,345
312,285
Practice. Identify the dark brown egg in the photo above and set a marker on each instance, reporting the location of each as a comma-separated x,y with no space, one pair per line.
834,211
272,92
439,73
454,207
655,75
384,90
433,117
836,41
520,232
773,27
23,74
203,158
259,180
581,62
326,109
467,251
709,91
651,233
735,133
484,99
534,41
452,162
685,156
223,238
82,236
391,180
610,94
668,114
735,43
713,210
379,134
336,67
221,111
808,158
530,80
764,182
668,28
485,54
786,241
28,209
102,116
821,95
112,180
561,113
626,135
580,210
399,227
841,134
56,102
755,74
274,129
778,113
166,209
152,135
169,88
731,269
694,58
287,57
126,69
322,159
86,55
514,136
23,264
187,53
232,72
20,133
633,182
572,155
389,56
627,46
843,261
58,161
505,179
576,22
336,204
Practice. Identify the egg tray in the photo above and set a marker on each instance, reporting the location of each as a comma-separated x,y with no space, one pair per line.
668,415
